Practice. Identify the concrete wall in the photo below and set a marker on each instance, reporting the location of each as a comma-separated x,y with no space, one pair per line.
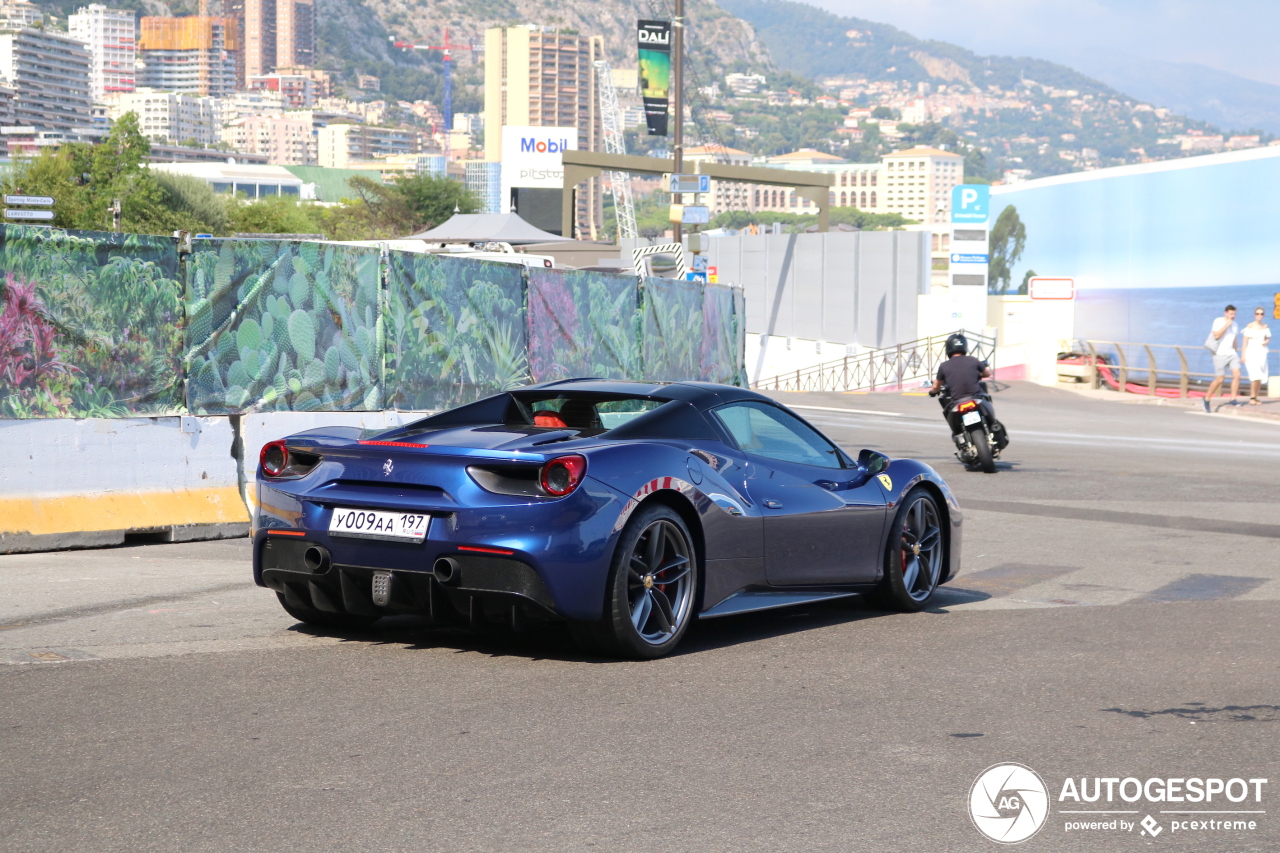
83,483
839,289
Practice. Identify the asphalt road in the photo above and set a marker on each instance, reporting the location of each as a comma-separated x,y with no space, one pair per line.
1116,617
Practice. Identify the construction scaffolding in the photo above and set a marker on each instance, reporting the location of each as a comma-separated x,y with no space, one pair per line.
615,142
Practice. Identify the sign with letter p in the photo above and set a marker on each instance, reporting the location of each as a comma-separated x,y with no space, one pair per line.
970,203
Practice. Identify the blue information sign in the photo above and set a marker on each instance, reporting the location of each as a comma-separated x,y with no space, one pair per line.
962,258
970,203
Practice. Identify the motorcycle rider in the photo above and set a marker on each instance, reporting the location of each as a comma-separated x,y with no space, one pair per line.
961,375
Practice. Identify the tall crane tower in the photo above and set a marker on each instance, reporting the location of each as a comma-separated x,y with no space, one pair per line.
447,47
615,142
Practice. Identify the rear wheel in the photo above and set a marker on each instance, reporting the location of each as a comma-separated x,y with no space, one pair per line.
649,599
324,619
986,461
915,553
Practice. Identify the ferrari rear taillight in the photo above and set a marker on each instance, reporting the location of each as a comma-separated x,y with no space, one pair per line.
278,461
562,475
274,458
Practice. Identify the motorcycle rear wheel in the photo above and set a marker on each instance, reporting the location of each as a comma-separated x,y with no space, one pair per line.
986,461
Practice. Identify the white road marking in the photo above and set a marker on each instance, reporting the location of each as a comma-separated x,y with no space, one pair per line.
850,411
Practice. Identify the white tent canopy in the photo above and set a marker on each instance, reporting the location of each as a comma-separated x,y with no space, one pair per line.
488,228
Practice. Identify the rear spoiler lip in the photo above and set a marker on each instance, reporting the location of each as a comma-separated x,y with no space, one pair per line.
351,448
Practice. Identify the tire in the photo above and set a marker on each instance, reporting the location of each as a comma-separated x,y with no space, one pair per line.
911,574
323,619
651,591
986,461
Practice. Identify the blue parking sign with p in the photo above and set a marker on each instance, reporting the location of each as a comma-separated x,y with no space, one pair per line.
970,203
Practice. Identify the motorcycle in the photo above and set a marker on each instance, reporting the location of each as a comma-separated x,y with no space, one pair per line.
978,436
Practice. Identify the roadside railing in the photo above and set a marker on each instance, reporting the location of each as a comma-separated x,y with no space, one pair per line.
885,369
1156,370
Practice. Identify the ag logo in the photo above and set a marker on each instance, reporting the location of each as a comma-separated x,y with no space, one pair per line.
1008,803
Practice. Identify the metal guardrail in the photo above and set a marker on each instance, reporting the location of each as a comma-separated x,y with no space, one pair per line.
1111,365
885,369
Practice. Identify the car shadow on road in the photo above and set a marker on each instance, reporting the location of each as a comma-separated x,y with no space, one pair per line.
555,642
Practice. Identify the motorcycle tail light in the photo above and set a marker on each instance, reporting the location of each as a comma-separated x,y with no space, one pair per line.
562,475
967,406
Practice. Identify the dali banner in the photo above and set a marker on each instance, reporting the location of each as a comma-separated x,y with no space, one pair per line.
655,73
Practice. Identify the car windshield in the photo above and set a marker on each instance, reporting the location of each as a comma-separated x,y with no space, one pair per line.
585,412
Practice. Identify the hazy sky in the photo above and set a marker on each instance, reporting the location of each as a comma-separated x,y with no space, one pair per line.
1238,36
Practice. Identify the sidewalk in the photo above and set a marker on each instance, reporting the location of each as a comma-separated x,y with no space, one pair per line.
1268,410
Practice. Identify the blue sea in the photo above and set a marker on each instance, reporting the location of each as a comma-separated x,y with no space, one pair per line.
1180,316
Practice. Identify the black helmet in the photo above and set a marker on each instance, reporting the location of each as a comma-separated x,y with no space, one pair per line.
957,344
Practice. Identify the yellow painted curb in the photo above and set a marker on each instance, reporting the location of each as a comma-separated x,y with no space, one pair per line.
39,515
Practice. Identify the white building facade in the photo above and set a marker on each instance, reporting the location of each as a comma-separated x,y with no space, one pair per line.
112,38
50,72
171,116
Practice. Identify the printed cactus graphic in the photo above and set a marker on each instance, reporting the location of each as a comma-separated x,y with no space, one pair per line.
113,325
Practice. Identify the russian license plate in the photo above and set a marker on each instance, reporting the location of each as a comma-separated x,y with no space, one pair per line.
971,418
376,524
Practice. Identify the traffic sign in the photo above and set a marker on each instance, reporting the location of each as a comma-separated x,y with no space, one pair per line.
695,214
28,214
696,276
36,200
688,184
970,203
1051,288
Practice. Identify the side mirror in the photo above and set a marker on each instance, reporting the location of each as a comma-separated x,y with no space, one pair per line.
872,461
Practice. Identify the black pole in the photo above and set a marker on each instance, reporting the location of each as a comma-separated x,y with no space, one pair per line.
677,100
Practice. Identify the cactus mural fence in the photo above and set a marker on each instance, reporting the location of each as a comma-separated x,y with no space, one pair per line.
111,325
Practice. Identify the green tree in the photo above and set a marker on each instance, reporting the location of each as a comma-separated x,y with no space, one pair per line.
194,204
274,215
1008,239
1026,282
433,200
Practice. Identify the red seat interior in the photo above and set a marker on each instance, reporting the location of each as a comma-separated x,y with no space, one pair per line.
548,418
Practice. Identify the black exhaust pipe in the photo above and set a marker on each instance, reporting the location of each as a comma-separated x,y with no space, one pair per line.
316,558
445,569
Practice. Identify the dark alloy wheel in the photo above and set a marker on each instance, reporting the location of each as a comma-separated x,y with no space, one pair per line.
324,619
914,554
986,460
652,586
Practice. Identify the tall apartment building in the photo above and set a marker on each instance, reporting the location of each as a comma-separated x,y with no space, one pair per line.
483,178
194,54
171,117
277,34
545,78
299,91
113,49
16,14
340,145
290,139
917,183
50,72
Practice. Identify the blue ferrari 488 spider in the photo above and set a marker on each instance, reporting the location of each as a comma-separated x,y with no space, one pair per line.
627,509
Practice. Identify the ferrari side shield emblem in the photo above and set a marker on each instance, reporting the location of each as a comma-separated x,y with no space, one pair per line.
886,482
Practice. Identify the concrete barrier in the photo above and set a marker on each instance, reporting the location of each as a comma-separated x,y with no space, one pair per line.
79,483
85,483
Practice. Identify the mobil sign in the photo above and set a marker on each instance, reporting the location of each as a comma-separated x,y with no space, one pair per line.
970,203
531,156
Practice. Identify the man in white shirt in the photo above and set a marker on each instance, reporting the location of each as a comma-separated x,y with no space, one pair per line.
1225,356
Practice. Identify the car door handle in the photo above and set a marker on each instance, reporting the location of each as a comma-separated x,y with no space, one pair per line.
772,504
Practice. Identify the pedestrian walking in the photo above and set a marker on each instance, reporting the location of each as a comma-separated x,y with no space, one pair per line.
1253,353
1222,343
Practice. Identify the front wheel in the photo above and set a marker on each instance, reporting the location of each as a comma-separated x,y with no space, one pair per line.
649,599
914,554
986,461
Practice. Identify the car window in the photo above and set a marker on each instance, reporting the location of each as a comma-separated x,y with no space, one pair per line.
770,432
580,411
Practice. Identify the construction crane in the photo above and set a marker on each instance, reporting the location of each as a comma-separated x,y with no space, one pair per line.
447,47
615,142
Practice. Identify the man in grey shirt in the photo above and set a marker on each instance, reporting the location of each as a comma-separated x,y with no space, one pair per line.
1222,342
